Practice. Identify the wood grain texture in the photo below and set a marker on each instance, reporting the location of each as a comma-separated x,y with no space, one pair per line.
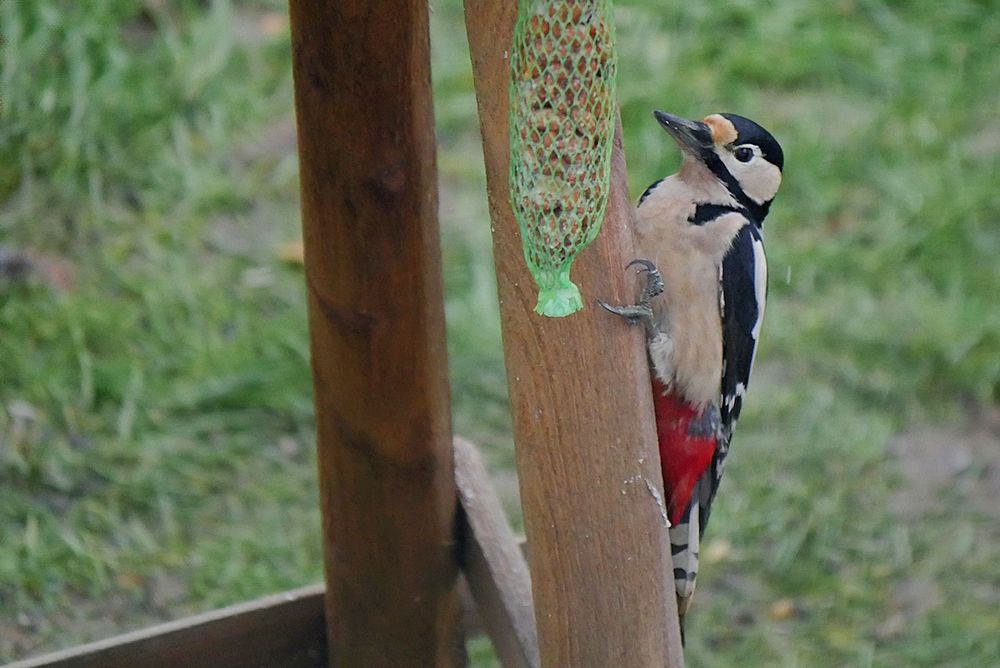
376,317
493,564
583,419
285,630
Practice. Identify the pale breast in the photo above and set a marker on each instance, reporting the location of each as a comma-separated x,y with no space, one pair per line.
689,258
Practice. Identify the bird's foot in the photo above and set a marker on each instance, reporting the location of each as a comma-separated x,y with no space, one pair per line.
642,310
707,424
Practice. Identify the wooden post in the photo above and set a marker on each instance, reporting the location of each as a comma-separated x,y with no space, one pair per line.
591,487
376,317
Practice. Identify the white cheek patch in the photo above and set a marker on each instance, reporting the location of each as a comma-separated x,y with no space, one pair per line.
759,179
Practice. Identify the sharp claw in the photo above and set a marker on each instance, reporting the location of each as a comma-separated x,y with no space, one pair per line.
609,307
640,312
623,311
646,264
633,314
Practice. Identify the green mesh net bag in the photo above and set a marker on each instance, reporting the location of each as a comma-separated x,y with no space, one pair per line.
561,130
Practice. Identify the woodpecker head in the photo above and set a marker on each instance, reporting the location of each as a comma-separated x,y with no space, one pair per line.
741,155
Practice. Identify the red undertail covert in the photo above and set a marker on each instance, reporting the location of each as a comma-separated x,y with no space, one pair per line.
684,458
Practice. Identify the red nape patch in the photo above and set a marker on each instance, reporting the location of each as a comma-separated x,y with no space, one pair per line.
683,458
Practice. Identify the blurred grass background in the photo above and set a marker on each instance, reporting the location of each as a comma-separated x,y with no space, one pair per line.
156,453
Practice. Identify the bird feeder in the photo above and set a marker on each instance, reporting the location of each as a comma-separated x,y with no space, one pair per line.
562,92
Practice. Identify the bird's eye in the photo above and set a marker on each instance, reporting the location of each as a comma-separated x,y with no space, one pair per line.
744,154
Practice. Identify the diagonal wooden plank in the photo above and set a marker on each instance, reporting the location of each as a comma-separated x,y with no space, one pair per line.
289,629
286,629
493,563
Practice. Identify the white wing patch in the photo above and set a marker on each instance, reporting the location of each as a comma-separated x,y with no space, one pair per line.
760,284
722,293
760,291
739,392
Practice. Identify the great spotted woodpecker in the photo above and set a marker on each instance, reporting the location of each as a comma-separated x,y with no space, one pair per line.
701,228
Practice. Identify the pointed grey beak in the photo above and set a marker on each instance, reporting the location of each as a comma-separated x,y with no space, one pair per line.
693,136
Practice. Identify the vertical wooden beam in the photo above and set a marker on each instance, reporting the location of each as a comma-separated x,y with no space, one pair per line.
376,317
591,488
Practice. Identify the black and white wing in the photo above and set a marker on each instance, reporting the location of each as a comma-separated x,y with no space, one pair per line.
744,289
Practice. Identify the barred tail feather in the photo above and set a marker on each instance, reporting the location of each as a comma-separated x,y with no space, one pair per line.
684,544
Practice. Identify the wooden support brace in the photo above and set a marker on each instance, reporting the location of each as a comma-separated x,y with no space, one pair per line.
285,630
493,563
580,395
288,630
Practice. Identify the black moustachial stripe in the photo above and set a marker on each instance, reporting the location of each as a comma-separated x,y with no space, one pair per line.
757,212
705,212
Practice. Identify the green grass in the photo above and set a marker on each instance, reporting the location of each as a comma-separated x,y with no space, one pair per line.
156,419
